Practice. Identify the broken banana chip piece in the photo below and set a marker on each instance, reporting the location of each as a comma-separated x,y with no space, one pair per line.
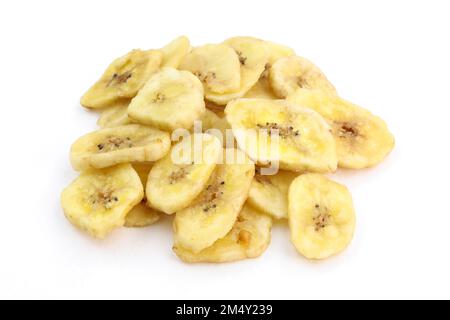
171,99
277,131
110,146
249,238
362,139
216,65
141,216
321,216
123,78
180,176
269,193
99,200
115,115
175,51
290,73
253,56
213,213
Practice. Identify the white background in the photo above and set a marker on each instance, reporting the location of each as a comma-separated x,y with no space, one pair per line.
390,56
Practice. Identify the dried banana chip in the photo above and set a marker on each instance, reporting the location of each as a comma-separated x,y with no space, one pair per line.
123,78
249,238
99,200
110,146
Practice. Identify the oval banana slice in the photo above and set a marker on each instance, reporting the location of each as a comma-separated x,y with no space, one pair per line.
216,65
249,238
290,73
123,78
180,176
115,115
214,212
175,51
171,99
362,139
253,56
110,146
304,141
262,88
269,193
98,200
321,216
141,216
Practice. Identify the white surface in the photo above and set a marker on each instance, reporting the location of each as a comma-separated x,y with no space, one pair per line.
389,56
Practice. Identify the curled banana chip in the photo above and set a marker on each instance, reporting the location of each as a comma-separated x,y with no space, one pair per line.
362,139
321,216
249,238
99,200
110,146
123,78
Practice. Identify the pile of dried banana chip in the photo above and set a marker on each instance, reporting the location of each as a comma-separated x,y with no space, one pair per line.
226,137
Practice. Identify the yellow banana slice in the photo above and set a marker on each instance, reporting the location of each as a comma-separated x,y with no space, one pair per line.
290,73
175,51
123,78
249,238
253,56
362,139
216,65
115,115
179,177
321,216
110,146
214,212
269,193
171,99
304,141
98,200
